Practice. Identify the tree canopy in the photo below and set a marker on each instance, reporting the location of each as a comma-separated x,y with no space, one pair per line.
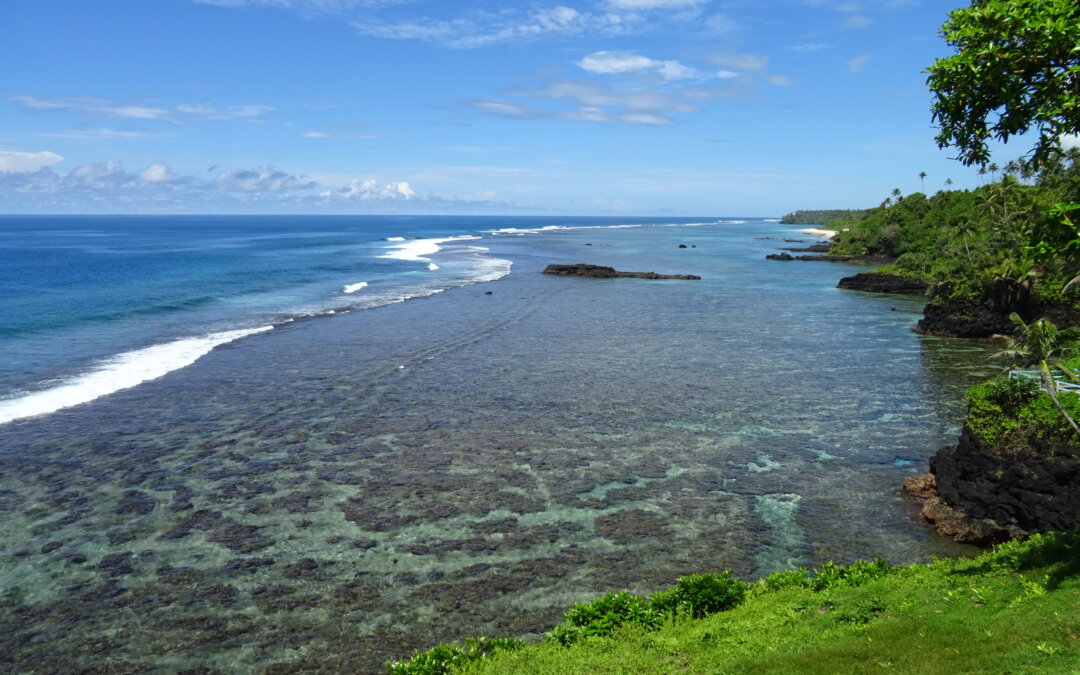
1017,67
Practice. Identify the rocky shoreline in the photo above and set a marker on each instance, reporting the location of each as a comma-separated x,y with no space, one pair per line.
973,493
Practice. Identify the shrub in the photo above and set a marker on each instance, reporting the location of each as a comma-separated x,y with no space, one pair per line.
603,615
445,658
704,594
795,578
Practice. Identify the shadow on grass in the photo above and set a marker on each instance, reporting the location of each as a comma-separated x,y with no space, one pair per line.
1057,552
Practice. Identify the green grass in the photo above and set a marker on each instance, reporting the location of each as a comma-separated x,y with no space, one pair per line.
1016,609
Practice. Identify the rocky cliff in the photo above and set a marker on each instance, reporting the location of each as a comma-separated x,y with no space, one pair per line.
982,494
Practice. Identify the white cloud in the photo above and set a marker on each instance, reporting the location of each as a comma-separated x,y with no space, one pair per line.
595,103
183,113
97,107
156,173
481,29
368,190
857,64
628,62
857,21
16,161
1070,141
650,119
324,135
726,74
270,180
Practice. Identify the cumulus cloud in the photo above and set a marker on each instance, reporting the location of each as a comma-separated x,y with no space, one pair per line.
156,173
368,190
107,187
17,161
857,64
180,114
268,180
629,62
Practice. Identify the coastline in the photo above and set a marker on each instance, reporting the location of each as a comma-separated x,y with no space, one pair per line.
490,458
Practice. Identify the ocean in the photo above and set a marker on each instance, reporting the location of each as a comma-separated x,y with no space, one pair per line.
317,443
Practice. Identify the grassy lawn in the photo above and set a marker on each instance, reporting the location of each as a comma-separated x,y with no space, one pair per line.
1016,609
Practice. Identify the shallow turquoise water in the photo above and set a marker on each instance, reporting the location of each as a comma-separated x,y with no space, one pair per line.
345,489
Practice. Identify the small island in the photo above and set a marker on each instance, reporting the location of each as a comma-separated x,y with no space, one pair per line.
602,272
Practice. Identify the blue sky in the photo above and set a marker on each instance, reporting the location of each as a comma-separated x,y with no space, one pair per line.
592,107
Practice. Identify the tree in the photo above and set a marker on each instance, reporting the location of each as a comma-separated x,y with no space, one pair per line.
1042,345
922,181
948,182
1017,67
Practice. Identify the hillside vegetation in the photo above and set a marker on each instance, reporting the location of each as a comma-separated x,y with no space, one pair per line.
1020,230
1014,608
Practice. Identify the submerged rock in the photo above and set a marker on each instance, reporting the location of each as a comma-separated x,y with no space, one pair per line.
602,272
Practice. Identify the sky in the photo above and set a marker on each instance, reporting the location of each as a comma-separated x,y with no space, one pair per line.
560,107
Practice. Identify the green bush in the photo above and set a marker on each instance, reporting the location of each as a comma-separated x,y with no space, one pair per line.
794,578
700,595
603,615
445,658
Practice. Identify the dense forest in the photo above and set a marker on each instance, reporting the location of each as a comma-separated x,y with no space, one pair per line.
818,216
1018,231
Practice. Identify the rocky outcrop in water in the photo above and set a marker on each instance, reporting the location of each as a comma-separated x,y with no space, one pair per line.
984,495
602,272
876,282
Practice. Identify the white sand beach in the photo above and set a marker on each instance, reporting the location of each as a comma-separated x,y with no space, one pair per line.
824,233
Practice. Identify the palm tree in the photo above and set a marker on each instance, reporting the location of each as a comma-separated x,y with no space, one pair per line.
922,181
964,227
1042,345
993,168
948,182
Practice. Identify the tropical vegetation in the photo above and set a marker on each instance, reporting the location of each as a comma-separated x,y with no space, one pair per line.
817,216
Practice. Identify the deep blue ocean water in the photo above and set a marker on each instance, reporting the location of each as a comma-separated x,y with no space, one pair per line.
418,460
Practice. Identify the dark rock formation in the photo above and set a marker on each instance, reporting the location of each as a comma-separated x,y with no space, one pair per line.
876,282
813,248
983,495
979,317
779,256
601,272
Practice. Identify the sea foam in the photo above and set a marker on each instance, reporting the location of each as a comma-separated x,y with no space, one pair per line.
352,288
417,249
119,372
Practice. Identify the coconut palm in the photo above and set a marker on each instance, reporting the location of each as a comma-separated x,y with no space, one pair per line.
922,181
1042,345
